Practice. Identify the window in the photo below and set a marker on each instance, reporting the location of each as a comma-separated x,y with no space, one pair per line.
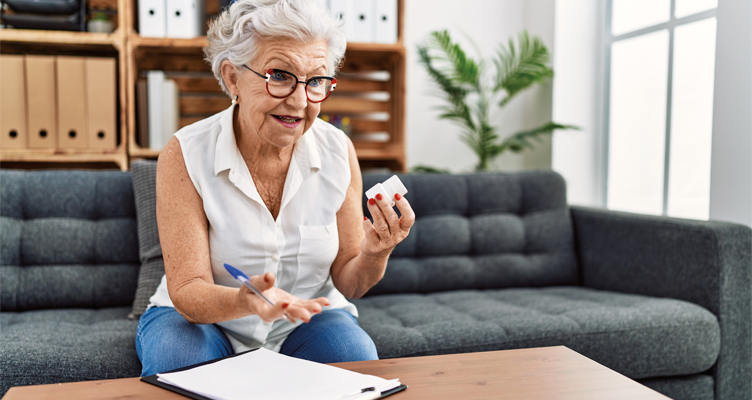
659,105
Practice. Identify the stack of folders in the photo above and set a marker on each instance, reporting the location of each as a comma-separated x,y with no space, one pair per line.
171,18
158,109
365,21
56,102
264,374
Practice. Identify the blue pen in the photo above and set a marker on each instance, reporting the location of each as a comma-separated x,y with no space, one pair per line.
243,278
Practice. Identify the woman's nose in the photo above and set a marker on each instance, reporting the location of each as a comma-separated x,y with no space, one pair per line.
298,98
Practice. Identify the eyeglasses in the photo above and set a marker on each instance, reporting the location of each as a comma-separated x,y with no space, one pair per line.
281,84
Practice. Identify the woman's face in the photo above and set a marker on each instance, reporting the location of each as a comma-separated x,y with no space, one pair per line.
279,122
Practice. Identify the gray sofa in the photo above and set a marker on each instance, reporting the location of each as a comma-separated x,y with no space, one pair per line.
494,261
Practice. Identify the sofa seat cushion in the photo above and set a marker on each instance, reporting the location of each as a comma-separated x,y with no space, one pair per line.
67,345
637,336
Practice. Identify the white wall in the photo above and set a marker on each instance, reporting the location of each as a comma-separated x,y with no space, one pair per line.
577,99
437,143
731,162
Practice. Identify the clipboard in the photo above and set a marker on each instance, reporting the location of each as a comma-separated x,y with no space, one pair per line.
152,379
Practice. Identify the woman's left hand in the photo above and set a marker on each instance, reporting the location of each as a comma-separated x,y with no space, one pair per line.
387,229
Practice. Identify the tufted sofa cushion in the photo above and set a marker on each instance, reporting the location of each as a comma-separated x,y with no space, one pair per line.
67,239
482,231
51,346
638,336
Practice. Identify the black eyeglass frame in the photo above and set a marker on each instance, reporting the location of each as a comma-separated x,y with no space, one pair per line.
270,71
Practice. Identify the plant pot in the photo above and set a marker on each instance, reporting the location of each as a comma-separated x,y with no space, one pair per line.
99,26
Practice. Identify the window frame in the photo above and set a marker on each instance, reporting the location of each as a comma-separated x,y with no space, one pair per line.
608,40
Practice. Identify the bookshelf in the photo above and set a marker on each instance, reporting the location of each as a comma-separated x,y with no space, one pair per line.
371,89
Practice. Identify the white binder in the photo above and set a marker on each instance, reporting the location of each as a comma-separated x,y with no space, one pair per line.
184,18
385,21
170,110
154,84
341,11
363,20
151,18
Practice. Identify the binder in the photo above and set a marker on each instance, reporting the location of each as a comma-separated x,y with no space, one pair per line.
152,18
184,18
363,21
170,111
142,113
385,21
71,103
41,102
101,102
13,134
341,11
154,379
154,83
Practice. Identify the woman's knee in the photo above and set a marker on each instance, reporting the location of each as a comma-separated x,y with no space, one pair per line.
166,341
333,336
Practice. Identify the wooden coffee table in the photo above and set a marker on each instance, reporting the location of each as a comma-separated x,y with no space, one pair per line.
540,373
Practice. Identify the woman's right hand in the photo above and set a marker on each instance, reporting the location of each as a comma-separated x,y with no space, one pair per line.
284,303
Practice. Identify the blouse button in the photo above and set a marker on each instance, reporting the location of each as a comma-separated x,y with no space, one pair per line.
275,257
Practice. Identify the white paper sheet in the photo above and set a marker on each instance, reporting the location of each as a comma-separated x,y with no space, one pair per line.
264,374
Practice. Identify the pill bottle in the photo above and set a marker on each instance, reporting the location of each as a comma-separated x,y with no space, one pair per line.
388,189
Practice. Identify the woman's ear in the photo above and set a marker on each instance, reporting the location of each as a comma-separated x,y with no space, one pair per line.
230,76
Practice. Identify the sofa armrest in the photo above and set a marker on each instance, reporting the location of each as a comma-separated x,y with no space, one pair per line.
708,263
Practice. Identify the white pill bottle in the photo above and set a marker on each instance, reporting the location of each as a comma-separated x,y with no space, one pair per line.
388,189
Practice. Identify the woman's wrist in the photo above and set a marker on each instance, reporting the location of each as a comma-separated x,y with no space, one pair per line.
372,259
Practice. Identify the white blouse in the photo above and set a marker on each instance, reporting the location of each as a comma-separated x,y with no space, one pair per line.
299,247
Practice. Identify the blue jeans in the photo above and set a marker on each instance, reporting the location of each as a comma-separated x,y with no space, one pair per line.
166,341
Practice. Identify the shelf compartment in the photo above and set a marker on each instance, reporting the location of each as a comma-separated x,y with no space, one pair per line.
44,156
60,37
200,95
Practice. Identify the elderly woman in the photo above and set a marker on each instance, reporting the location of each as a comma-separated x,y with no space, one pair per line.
268,188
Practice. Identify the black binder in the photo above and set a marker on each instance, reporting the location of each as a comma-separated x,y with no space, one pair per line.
154,381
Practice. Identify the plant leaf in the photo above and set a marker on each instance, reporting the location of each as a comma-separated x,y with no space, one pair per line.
463,68
427,169
455,81
522,140
518,70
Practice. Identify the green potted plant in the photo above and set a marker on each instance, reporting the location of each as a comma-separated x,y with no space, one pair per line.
471,93
99,22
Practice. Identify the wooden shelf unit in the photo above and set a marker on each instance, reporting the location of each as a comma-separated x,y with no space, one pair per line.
84,44
371,90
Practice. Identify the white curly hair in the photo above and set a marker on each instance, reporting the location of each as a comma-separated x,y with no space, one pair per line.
235,33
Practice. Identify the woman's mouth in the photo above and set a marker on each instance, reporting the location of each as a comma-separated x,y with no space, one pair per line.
288,121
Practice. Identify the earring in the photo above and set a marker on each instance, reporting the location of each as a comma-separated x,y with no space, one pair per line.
235,99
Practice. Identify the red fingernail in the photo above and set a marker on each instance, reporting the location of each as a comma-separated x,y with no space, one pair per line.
397,196
285,305
327,304
365,218
265,278
372,201
378,196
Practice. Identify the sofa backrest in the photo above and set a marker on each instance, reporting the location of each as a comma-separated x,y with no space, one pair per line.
479,231
67,239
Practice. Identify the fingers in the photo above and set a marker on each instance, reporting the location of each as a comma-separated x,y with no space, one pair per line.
265,281
271,313
305,309
290,307
408,215
371,234
379,209
385,220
